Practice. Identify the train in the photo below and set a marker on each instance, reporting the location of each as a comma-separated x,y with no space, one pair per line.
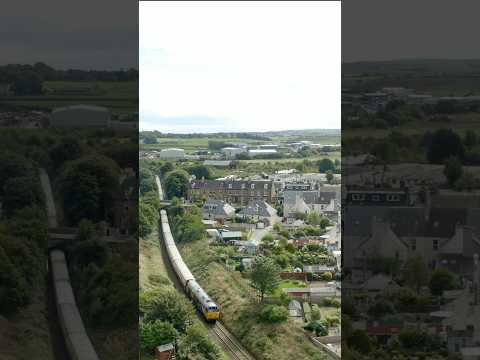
204,304
77,341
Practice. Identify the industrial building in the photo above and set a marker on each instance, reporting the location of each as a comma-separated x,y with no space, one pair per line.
77,116
172,154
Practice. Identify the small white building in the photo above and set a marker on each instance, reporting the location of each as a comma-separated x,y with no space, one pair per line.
254,152
79,116
172,153
231,152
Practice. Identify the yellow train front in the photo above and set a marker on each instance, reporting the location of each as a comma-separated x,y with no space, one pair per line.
208,308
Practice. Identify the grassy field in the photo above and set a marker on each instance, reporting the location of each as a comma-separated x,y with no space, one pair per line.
284,341
286,284
120,97
460,123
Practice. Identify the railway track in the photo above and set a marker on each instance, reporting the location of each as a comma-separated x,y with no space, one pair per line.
229,343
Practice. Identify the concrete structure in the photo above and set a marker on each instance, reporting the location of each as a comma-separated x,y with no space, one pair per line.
79,116
172,154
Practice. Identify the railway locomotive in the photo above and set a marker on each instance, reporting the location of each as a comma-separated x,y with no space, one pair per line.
200,298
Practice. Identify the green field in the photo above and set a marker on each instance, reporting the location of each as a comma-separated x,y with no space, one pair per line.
460,123
120,97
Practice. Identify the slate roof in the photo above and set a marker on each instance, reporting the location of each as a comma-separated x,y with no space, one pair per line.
405,220
257,207
218,207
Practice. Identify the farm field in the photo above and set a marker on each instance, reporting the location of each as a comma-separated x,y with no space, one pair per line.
460,123
120,97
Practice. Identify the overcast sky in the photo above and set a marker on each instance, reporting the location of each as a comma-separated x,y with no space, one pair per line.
239,66
392,30
84,34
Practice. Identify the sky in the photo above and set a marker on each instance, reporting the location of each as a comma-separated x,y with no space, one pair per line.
239,66
374,30
88,34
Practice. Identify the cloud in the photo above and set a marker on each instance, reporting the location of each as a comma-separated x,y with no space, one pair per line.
262,66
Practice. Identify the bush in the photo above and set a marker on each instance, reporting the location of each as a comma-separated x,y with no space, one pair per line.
273,314
327,276
153,334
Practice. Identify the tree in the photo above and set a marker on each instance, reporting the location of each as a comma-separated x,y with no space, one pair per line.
415,273
13,165
147,217
68,149
176,184
329,176
21,192
197,345
470,138
189,228
314,218
166,168
381,308
440,281
89,186
155,333
27,83
265,275
273,314
325,165
443,144
453,170
360,341
201,172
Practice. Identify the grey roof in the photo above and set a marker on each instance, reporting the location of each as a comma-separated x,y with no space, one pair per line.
235,184
309,196
258,207
404,220
218,207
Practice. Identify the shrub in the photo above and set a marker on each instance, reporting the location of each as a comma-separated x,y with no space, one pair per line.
273,314
156,333
327,276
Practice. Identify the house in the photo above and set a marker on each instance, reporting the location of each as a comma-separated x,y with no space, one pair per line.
305,202
233,191
258,210
217,210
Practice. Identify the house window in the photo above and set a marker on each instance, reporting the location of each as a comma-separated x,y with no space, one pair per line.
265,186
243,186
375,197
252,186
358,197
394,197
435,244
230,185
413,244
